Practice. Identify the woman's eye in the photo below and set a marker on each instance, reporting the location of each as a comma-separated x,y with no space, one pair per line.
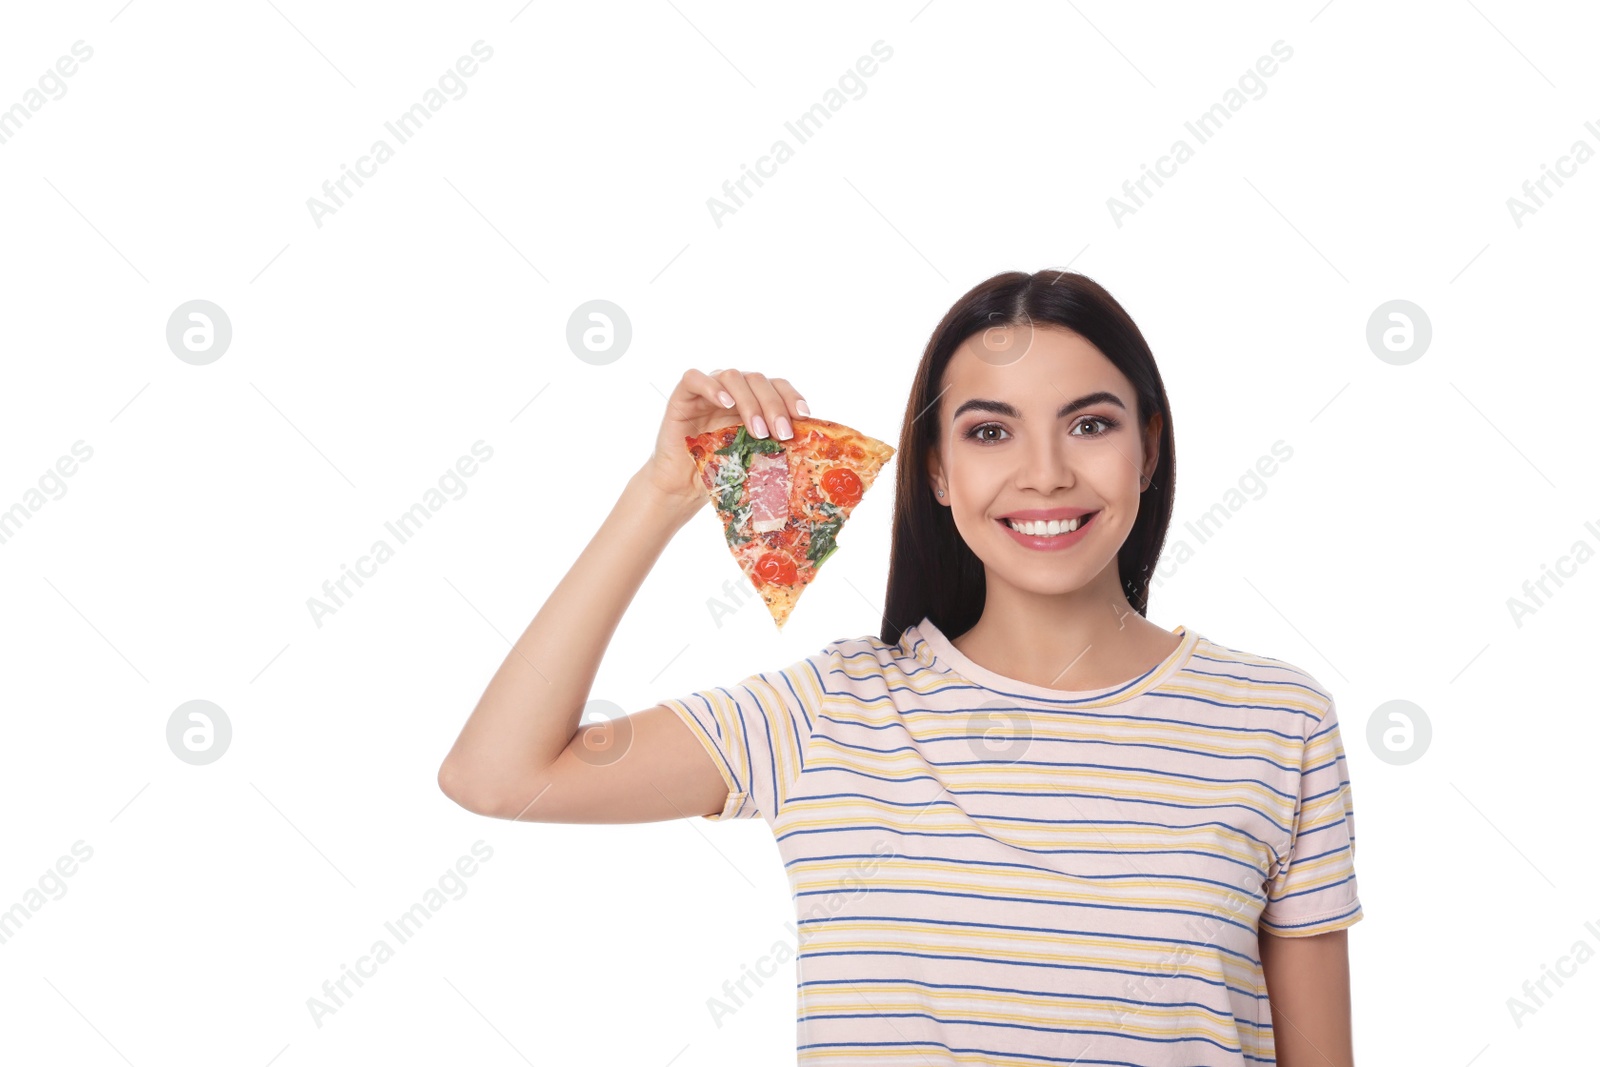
1107,423
977,431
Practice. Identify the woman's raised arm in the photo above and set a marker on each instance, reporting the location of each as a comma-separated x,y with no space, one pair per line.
519,754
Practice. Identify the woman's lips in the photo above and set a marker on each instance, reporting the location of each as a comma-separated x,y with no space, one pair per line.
1050,543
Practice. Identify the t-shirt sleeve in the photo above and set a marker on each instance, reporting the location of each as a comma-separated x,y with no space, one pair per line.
1314,888
756,732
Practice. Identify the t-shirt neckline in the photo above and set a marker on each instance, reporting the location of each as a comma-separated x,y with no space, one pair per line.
935,646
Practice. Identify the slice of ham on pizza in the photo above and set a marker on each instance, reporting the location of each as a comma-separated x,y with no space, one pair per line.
783,503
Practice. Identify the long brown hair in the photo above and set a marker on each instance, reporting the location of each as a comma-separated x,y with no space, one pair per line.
932,572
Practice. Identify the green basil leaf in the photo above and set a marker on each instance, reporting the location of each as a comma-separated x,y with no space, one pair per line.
744,447
822,540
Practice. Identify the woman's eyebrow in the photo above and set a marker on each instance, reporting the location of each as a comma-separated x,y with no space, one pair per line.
1000,407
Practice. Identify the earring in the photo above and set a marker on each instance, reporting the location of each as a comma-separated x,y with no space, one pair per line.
941,492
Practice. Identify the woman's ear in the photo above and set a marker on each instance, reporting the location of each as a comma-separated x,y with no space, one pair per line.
1152,452
936,479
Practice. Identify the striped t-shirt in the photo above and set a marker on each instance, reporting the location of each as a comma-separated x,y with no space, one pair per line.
989,871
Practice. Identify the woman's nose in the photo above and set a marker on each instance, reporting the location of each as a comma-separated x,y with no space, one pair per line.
1046,465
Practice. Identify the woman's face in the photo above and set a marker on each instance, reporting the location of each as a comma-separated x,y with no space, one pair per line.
1036,420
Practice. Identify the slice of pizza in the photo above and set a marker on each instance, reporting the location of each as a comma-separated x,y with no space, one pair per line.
783,503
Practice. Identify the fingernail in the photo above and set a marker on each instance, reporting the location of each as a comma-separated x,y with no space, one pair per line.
727,400
759,425
785,431
800,406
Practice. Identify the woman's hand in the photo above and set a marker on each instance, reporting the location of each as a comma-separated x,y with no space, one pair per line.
700,402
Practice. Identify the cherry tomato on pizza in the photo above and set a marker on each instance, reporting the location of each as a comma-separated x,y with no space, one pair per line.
776,567
842,485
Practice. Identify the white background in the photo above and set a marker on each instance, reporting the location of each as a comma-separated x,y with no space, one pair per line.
429,312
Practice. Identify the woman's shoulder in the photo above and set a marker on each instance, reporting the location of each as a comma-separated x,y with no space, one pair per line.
862,645
868,654
1259,672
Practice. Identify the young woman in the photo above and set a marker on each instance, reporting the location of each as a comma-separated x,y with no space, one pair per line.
1023,823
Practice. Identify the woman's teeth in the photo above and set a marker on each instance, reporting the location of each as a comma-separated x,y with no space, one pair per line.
1048,529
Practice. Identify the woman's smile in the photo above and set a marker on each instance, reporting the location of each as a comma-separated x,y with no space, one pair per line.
1048,536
